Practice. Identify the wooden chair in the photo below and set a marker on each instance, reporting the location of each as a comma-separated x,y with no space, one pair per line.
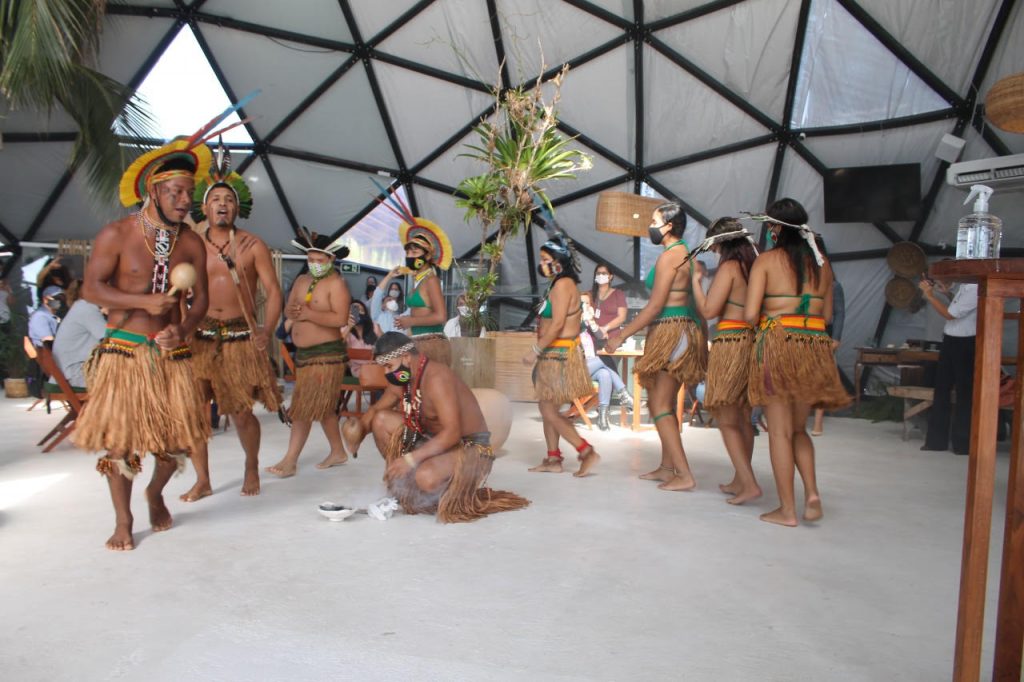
75,400
371,379
916,399
289,363
31,354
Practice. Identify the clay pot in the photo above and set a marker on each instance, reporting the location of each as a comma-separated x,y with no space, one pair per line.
497,409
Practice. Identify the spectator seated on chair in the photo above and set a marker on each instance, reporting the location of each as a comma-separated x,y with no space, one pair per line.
42,323
82,328
607,379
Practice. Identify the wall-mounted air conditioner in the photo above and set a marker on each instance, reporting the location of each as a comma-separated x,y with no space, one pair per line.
1000,171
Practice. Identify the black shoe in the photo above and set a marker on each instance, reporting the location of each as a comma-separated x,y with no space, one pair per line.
757,431
602,418
958,451
928,448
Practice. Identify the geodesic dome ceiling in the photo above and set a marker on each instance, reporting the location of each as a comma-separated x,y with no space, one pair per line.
721,105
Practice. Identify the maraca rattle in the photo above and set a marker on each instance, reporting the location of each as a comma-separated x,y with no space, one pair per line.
183,277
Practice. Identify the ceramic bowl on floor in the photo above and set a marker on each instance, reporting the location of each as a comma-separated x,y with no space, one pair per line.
335,512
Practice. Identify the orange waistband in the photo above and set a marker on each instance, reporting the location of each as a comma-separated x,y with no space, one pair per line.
564,343
731,325
809,322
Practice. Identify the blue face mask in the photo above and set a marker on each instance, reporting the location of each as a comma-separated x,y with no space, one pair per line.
772,238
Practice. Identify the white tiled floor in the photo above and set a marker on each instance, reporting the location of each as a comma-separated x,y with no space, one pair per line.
604,578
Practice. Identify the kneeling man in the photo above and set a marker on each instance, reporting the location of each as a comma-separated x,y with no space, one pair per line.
437,449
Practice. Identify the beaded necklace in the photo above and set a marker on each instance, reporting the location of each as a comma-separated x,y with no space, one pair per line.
412,404
164,241
221,249
313,283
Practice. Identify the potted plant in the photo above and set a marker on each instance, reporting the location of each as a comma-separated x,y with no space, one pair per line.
522,150
13,361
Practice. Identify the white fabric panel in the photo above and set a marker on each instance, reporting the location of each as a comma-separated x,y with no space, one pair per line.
450,168
513,281
602,170
662,9
286,72
319,18
30,172
268,220
577,219
539,35
425,111
598,100
374,239
864,289
725,185
947,37
622,8
1009,56
801,182
684,116
79,213
127,42
747,47
440,208
913,144
451,35
345,123
29,121
847,76
373,16
323,197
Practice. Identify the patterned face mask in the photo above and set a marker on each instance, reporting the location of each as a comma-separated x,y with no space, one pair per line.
319,270
400,377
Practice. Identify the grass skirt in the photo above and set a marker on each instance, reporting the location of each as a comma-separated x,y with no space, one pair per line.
728,367
239,374
436,347
140,400
319,378
465,498
560,374
662,339
795,365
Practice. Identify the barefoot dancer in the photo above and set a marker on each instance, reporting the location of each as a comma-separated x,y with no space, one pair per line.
318,304
230,348
560,373
437,449
729,358
675,351
792,368
143,396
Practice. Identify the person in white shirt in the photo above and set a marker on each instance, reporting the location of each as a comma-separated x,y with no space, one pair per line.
955,369
453,327
81,329
386,303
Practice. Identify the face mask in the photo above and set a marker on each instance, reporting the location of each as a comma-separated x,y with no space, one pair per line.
415,263
394,293
369,291
400,377
550,271
656,236
463,310
319,270
391,305
602,279
772,237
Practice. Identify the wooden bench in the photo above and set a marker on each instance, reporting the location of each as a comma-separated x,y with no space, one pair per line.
916,399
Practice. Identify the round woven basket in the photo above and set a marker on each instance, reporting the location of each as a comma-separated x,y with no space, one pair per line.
625,213
900,292
907,259
1004,104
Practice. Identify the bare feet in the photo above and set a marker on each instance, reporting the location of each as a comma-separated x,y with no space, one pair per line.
731,488
587,462
283,469
780,517
660,474
679,483
159,516
197,492
333,460
812,509
550,465
121,540
745,495
251,483
816,433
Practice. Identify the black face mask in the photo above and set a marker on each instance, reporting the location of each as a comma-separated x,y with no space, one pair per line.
549,272
656,236
400,377
369,291
415,263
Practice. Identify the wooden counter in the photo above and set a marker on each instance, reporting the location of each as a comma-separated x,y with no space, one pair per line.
511,376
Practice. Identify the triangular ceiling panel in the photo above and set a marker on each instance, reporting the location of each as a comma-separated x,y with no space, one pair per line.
374,17
322,197
747,47
440,208
135,39
602,170
27,121
319,18
409,96
598,99
527,25
268,220
458,40
78,214
252,62
848,76
685,116
345,123
30,172
577,218
939,34
701,184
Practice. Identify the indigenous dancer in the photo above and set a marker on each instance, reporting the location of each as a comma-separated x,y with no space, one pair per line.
437,450
318,305
792,367
560,370
143,396
729,358
675,350
230,348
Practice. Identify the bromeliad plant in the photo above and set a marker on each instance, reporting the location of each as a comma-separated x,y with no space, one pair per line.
522,150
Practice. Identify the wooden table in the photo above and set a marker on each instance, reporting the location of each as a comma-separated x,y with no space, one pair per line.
998,280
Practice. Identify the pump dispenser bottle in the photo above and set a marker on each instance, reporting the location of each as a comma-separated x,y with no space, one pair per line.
980,233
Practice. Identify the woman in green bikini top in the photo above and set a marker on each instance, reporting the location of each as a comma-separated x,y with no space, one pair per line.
427,313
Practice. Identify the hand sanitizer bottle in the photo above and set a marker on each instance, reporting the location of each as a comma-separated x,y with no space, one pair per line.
980,233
